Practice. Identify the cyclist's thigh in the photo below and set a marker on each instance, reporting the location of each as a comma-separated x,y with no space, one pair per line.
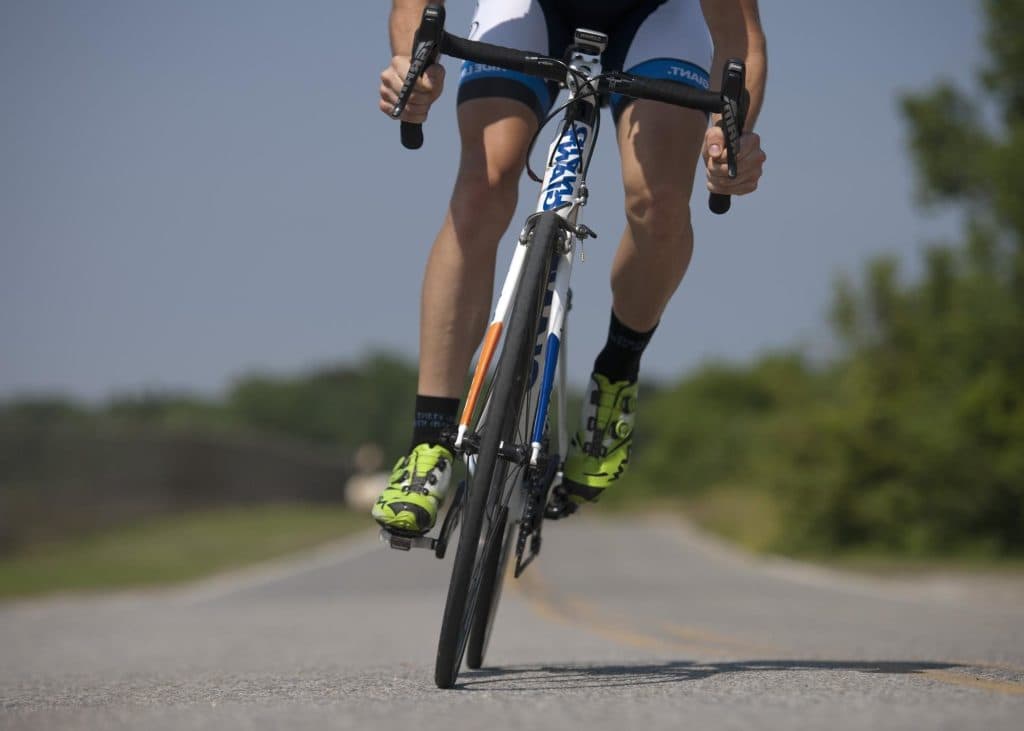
499,110
495,133
659,147
659,143
520,24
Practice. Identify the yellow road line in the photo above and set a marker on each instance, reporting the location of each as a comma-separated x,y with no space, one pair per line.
575,611
542,601
1008,687
992,666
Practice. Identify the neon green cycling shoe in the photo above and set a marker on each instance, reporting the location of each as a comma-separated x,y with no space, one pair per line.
415,491
599,451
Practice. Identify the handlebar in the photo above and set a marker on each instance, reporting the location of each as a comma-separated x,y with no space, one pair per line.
734,116
426,48
432,40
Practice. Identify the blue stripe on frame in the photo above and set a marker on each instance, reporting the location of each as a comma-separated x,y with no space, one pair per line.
550,361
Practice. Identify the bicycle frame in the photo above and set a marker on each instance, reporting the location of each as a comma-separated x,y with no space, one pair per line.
521,465
563,192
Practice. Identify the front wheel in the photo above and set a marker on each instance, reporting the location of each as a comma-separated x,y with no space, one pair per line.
496,562
484,520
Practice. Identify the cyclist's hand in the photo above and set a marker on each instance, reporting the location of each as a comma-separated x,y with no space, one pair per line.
749,163
427,90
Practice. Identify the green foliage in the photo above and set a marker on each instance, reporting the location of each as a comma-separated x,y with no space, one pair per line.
702,432
944,126
340,406
68,470
173,548
913,441
1006,44
269,439
41,412
169,410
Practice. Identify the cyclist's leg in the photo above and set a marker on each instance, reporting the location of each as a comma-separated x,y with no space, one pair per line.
456,299
498,114
459,277
659,147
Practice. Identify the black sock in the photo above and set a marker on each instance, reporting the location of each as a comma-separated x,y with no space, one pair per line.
433,415
620,359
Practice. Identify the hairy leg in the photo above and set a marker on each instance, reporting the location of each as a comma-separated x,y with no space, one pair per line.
459,277
659,146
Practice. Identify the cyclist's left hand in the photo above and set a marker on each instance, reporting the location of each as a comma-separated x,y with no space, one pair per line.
749,163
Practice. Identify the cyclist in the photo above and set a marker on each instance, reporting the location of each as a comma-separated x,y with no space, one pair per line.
498,112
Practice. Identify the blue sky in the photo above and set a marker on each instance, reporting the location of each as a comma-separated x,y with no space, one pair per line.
191,191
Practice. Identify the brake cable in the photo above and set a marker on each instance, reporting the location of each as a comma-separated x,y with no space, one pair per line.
590,91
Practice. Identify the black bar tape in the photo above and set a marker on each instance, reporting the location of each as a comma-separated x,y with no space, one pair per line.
507,58
412,135
669,92
485,53
719,203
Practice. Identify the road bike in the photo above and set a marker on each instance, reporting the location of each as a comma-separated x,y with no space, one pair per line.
514,444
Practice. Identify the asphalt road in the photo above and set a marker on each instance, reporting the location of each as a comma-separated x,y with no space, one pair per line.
630,624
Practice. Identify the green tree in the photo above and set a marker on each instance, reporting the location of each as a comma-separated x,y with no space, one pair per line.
341,406
926,452
913,439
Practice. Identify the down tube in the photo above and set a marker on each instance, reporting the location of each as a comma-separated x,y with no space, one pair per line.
551,349
494,333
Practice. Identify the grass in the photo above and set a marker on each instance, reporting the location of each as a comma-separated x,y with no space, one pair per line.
752,519
743,515
880,563
174,548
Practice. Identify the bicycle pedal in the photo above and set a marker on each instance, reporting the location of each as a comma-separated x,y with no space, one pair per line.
557,509
406,542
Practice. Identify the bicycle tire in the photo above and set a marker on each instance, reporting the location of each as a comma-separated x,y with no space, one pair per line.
490,596
511,384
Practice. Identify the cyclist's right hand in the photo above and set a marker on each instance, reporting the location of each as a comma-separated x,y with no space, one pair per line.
428,88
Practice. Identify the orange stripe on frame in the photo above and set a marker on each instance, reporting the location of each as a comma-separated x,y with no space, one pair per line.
490,345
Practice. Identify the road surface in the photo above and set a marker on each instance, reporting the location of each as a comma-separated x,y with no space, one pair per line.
628,624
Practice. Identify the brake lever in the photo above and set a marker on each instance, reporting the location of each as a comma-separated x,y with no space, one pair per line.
735,100
426,49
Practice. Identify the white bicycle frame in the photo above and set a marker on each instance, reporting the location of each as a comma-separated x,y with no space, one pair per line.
564,192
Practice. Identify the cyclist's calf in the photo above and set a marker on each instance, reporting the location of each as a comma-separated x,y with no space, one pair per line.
656,247
660,146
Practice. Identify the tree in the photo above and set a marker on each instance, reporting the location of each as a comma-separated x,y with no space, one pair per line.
929,453
913,439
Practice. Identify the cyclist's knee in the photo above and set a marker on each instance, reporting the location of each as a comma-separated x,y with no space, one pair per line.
660,146
660,211
485,195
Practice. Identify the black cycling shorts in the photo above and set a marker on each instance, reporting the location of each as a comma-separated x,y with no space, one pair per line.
661,39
